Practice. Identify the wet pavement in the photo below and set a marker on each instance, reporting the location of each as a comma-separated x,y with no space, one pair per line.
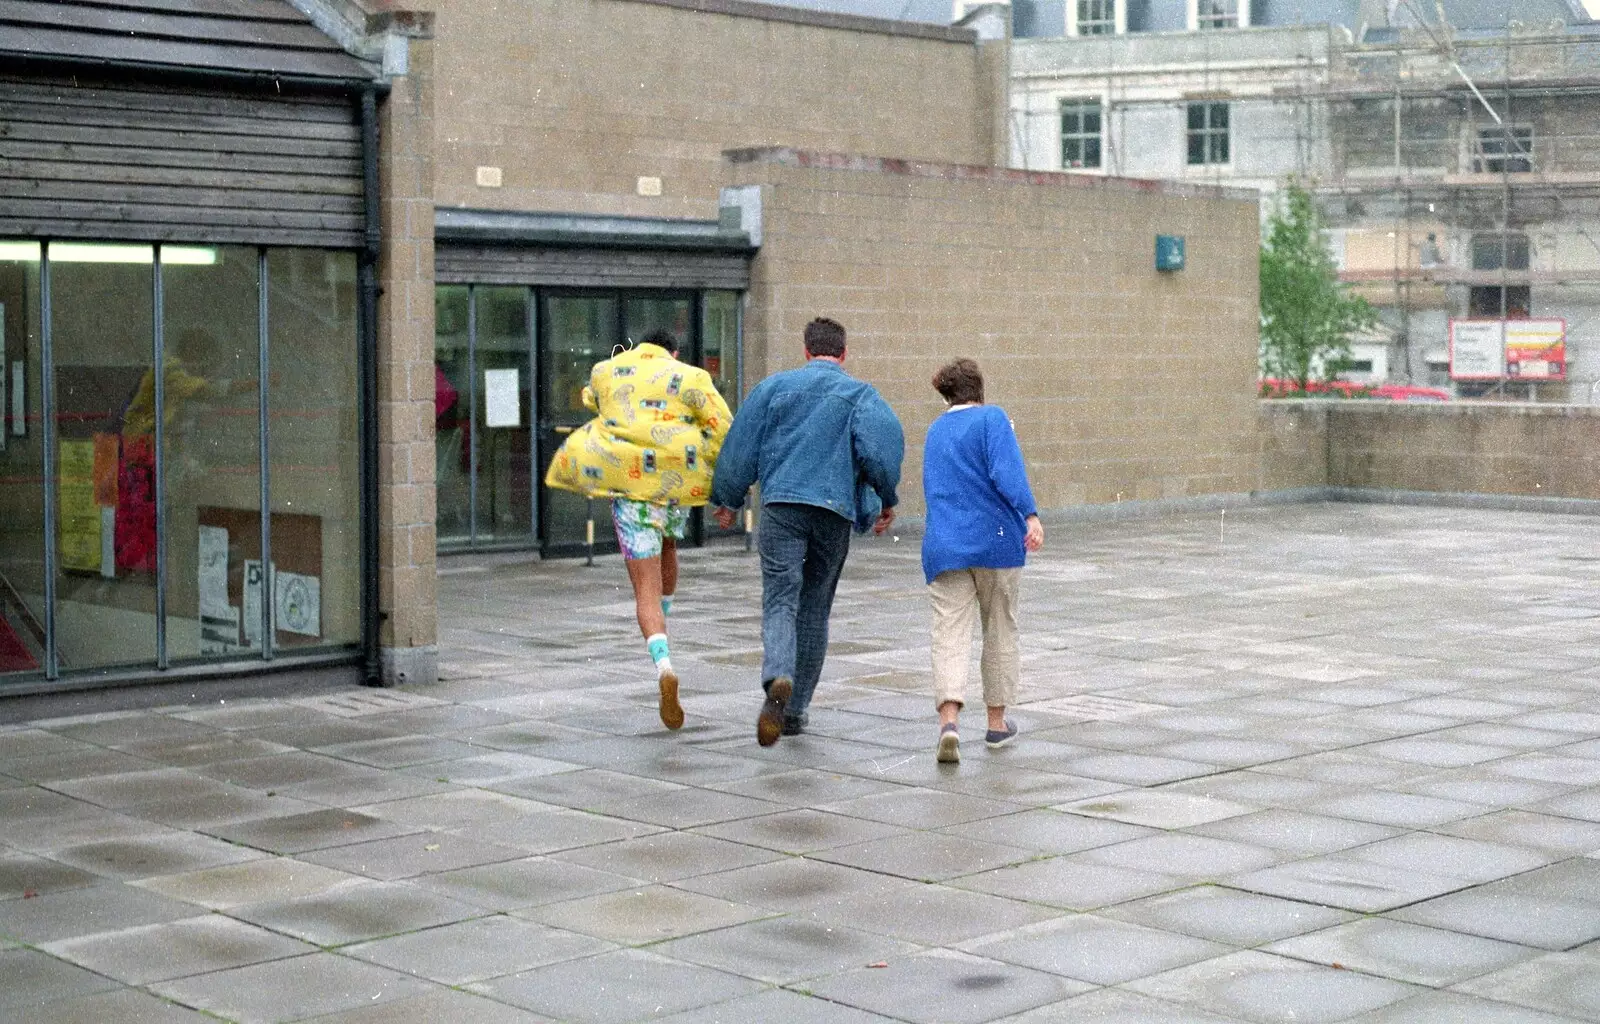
1307,763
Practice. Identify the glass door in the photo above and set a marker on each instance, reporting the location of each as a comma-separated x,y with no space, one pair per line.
576,331
502,426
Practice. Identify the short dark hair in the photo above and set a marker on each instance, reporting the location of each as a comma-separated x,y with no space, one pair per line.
959,381
666,339
825,337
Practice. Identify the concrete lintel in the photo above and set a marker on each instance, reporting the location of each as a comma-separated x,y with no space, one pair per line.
589,230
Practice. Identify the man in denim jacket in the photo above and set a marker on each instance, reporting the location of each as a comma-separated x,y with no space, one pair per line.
826,450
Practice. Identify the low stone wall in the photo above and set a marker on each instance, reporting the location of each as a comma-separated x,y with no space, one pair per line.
1480,448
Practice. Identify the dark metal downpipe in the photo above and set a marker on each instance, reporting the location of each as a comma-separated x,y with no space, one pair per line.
367,280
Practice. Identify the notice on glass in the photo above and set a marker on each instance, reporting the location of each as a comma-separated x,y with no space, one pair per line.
214,576
253,590
19,391
297,603
80,516
502,399
219,634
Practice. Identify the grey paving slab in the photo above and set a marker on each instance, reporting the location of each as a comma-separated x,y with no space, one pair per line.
22,873
667,856
457,808
1191,856
783,950
551,830
1296,832
432,1008
1071,883
1549,919
293,989
1530,830
796,884
946,988
312,830
1228,915
488,947
932,915
1436,1007
1097,950
1474,860
125,1006
1262,987
256,881
775,1004
176,949
1566,984
101,908
351,913
922,808
925,856
801,831
1117,1006
614,988
35,979
407,856
1404,952
530,882
1341,881
638,917
147,856
1049,831
1157,808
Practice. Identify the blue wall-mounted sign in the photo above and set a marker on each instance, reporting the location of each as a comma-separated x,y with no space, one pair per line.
1169,252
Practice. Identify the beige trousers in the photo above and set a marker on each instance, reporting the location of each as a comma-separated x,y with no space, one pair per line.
959,596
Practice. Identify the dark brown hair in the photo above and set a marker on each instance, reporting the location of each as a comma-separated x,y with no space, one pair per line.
959,381
825,337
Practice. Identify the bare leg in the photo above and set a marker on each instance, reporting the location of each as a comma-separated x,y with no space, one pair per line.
950,711
997,717
645,575
669,567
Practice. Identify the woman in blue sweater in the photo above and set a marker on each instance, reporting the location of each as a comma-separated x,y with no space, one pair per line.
981,521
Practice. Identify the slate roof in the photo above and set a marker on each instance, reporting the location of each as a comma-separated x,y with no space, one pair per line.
253,36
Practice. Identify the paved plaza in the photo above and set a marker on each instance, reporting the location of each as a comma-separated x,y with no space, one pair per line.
1305,763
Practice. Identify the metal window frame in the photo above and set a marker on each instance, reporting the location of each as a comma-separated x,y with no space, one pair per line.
162,665
1205,20
1102,24
1212,136
1513,145
1080,136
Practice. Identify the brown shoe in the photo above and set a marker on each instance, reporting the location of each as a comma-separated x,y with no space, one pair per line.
671,710
769,724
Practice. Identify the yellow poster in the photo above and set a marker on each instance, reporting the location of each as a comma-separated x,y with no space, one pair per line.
79,513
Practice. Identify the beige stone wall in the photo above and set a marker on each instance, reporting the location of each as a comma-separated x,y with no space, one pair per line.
1531,450
575,100
1124,383
406,578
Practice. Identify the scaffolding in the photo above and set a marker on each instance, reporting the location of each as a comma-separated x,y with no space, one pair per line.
1472,158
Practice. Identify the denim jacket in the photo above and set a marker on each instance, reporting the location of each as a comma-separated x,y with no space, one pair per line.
813,436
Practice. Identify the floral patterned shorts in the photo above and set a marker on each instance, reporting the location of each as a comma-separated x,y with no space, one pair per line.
641,526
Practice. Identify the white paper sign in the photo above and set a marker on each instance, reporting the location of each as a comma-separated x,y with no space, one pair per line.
214,572
297,602
219,634
252,603
1477,349
502,399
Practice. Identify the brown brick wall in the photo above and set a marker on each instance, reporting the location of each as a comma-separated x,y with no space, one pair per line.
1124,383
406,579
576,99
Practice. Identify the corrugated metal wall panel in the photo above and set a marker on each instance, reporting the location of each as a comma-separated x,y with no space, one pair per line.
153,164
589,268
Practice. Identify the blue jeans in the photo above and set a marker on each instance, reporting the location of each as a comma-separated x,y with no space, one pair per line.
802,552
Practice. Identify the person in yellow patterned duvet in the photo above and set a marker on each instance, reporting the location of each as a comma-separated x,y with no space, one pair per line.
651,449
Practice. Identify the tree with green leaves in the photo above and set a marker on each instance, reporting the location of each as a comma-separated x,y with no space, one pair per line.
1307,316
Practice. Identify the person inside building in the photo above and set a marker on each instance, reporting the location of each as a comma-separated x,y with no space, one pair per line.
651,450
826,449
982,521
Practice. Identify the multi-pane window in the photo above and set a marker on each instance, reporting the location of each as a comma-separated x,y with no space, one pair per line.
1097,17
1208,133
1503,149
1080,133
1216,14
1496,251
